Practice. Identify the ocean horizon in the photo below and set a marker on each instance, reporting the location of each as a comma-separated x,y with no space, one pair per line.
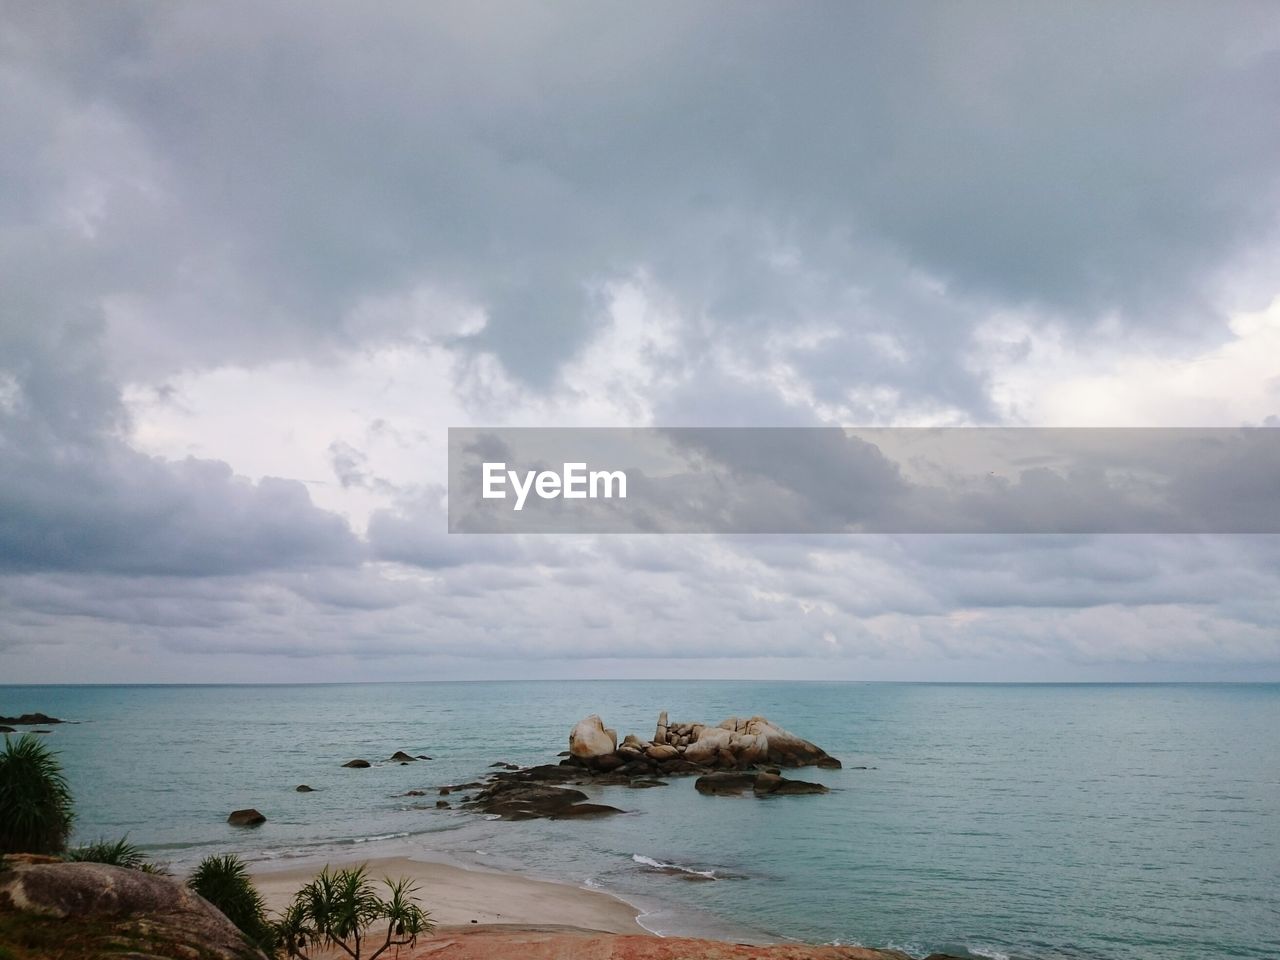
1029,821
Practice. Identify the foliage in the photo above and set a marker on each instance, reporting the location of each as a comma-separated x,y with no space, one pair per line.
35,802
115,853
225,883
345,910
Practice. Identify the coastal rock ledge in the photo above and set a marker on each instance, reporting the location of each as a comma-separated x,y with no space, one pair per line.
111,911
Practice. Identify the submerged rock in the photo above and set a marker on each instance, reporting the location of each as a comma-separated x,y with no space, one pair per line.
357,764
403,757
246,818
303,788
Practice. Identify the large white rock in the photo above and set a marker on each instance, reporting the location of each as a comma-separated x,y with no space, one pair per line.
590,739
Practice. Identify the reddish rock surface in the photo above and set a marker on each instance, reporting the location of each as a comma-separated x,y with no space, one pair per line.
553,944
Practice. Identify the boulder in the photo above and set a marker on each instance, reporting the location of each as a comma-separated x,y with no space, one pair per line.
4,729
607,762
724,784
403,757
442,804
303,788
661,752
357,764
710,741
127,906
590,739
248,817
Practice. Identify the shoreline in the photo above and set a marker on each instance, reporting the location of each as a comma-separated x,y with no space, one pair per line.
459,897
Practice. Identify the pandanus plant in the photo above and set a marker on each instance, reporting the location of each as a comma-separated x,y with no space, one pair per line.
344,910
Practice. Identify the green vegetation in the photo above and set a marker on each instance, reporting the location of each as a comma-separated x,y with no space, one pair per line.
344,910
224,882
35,802
115,853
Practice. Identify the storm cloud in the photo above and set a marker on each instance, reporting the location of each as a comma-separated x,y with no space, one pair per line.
256,258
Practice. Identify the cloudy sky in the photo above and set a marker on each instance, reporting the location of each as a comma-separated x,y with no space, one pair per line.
255,259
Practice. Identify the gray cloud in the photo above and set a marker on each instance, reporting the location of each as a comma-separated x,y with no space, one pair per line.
835,197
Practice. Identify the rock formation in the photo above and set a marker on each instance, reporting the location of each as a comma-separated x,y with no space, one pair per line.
248,817
31,720
735,744
133,913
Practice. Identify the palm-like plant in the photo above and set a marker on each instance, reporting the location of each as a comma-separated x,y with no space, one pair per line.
344,910
35,802
116,853
225,882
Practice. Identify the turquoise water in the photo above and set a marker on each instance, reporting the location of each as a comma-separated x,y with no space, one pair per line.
1039,822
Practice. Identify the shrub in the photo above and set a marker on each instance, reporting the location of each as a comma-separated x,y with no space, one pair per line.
344,910
116,853
225,882
35,802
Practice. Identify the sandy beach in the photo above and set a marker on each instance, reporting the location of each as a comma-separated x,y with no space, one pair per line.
458,897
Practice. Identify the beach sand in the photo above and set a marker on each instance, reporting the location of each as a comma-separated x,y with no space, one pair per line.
458,897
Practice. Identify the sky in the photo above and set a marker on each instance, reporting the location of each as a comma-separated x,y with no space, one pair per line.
256,259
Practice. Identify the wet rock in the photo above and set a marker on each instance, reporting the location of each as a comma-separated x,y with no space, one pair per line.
443,805
583,810
357,764
248,817
766,783
724,784
30,720
796,788
303,788
403,757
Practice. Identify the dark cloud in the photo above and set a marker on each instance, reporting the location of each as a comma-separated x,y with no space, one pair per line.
104,507
828,200
765,167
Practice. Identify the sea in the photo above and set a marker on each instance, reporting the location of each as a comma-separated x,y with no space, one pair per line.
1028,822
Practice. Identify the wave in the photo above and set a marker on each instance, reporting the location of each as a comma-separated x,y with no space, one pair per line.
674,868
376,836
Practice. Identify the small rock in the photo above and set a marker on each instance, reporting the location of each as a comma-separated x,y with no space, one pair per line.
246,818
303,788
357,764
442,804
403,757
